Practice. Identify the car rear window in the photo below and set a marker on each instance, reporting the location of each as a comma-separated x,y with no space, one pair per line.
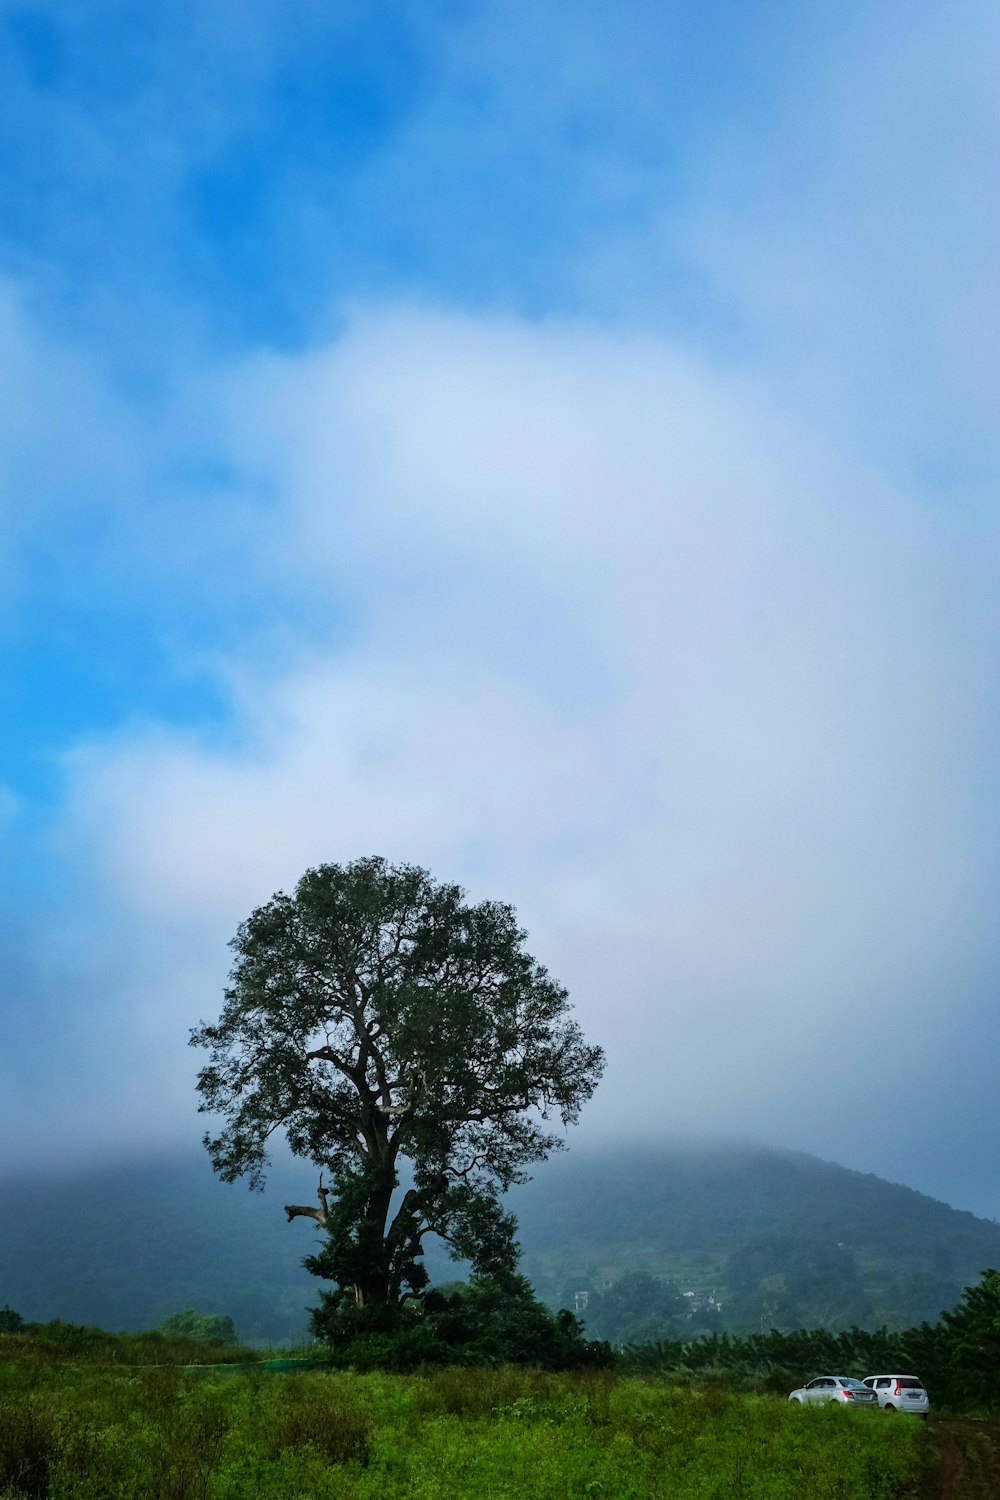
910,1385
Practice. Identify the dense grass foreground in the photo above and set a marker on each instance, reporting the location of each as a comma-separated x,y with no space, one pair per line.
132,1434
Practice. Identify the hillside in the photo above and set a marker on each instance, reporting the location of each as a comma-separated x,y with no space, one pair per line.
122,1247
776,1237
758,1236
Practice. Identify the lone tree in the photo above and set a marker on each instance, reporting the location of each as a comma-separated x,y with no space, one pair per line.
382,1022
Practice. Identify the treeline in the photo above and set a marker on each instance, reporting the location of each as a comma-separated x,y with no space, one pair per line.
484,1323
185,1338
958,1358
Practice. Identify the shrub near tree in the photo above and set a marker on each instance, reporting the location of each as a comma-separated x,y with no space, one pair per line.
485,1322
387,1026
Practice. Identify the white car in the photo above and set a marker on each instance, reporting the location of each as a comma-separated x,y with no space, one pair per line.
843,1389
899,1393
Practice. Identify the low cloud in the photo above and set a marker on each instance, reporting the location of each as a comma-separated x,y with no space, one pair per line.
612,647
686,646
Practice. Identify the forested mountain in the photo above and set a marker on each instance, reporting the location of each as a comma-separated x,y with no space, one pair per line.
123,1247
648,1241
756,1237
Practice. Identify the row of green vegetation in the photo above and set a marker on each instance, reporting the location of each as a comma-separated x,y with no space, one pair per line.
958,1358
489,1323
73,1431
775,1281
485,1322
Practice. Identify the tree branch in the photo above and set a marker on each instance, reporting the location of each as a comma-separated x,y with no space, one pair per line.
321,1214
327,1054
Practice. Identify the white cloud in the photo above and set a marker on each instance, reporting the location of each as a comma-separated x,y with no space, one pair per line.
617,652
621,634
856,241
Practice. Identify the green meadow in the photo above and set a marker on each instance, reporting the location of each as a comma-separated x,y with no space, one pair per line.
75,1430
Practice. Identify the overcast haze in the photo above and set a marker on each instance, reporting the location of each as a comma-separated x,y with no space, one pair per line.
553,445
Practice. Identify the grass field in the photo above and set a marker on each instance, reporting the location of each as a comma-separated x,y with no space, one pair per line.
76,1432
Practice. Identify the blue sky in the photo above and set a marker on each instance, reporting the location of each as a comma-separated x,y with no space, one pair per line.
554,445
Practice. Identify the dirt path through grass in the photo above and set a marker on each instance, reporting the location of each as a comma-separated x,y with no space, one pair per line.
967,1460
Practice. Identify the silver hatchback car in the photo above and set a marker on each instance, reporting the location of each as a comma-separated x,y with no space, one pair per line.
843,1389
899,1393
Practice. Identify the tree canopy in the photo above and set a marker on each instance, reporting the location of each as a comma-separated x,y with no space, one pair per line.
387,1026
207,1328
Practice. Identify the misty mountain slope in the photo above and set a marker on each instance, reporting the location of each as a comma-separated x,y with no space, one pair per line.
679,1196
776,1235
123,1246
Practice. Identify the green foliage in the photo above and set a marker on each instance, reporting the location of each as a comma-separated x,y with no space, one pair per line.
380,1019
786,1281
87,1434
782,1239
972,1344
205,1328
487,1322
136,1240
27,1446
638,1308
134,1243
10,1321
958,1358
56,1343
